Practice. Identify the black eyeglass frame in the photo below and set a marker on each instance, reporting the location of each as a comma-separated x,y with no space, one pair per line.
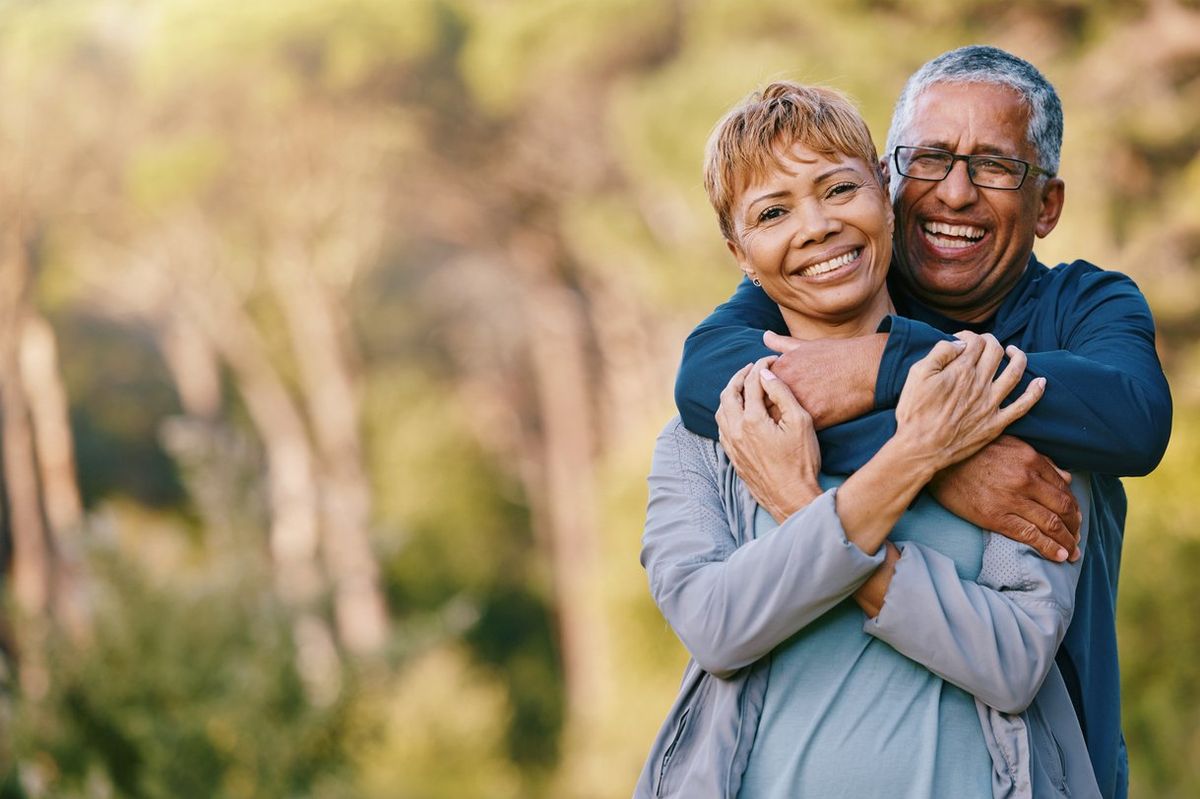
971,160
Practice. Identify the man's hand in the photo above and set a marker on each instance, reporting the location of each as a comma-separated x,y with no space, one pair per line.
834,379
770,440
1010,488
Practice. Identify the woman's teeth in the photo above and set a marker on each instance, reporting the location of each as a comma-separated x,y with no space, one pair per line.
830,265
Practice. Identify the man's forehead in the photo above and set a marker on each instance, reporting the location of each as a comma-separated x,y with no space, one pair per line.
979,117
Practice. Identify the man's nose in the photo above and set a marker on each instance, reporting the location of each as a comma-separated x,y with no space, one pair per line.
956,190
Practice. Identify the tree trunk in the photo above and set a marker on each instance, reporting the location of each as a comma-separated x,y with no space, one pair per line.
32,556
566,505
55,450
321,347
292,489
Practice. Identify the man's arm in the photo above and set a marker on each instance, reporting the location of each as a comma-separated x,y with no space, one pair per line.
1107,407
723,343
834,379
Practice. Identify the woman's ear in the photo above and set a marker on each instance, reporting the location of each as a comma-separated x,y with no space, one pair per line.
739,255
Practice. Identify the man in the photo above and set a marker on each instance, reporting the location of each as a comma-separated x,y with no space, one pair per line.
972,158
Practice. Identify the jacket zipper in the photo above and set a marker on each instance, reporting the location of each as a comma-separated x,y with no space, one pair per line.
666,761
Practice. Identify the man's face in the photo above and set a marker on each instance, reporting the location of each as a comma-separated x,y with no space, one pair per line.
962,248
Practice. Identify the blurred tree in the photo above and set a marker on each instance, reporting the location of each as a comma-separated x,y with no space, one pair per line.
418,273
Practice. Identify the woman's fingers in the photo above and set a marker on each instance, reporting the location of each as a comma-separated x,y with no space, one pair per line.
1021,405
941,356
752,391
973,349
731,395
732,408
790,409
1011,376
990,357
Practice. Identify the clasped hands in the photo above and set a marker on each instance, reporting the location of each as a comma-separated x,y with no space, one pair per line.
1005,486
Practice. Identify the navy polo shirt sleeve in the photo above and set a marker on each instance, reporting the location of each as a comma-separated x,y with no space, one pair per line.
1107,407
727,340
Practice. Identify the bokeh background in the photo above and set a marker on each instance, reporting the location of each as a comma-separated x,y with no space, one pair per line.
334,338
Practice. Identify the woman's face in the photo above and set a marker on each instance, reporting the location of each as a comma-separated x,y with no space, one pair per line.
816,231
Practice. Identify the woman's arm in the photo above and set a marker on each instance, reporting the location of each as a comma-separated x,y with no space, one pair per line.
731,601
732,604
949,408
995,637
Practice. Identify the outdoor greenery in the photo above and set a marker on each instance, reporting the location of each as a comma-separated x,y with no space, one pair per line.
335,335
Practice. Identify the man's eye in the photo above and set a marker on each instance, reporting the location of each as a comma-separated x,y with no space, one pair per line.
994,166
774,212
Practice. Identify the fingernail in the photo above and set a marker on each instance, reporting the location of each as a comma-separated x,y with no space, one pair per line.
1076,555
959,344
767,374
1062,555
1041,381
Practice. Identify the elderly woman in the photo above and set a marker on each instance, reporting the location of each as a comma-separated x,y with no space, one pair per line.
846,640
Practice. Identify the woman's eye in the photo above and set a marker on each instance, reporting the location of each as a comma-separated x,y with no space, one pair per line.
842,188
774,212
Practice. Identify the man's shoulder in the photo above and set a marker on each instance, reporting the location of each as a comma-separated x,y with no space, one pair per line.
1082,275
1080,284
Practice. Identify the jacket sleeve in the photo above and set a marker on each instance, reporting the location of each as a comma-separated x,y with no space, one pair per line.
727,340
1107,406
995,637
730,604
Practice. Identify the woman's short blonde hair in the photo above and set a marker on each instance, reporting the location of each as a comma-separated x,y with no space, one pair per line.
750,139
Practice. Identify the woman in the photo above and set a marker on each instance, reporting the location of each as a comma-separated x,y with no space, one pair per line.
791,691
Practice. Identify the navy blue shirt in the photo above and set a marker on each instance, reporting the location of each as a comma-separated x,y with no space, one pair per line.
1106,410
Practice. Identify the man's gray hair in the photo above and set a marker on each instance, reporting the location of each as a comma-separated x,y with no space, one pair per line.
981,64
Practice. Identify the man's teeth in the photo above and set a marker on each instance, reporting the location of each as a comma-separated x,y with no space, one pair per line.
952,236
830,265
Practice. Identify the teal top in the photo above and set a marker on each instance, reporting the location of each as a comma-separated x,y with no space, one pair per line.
845,715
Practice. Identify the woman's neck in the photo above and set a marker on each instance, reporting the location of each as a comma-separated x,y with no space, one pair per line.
862,322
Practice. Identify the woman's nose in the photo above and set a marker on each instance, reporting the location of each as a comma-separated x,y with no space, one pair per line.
814,224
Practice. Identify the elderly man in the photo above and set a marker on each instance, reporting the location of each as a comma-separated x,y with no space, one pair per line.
972,159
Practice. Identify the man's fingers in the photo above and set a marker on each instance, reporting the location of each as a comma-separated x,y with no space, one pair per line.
779,343
1050,524
1026,532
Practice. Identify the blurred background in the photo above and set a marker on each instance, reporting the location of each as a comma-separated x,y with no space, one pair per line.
334,338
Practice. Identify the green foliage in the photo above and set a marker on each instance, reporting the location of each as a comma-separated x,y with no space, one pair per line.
181,693
1159,621
577,125
477,553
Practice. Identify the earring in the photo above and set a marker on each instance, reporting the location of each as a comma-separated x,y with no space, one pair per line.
756,281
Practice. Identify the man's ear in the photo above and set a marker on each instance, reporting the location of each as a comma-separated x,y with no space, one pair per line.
740,256
1052,196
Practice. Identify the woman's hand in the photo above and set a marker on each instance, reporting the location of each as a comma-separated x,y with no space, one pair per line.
950,405
770,440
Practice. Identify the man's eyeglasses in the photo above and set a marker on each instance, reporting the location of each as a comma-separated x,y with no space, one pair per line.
985,171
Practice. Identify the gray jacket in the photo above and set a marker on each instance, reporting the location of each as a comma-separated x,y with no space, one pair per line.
718,587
